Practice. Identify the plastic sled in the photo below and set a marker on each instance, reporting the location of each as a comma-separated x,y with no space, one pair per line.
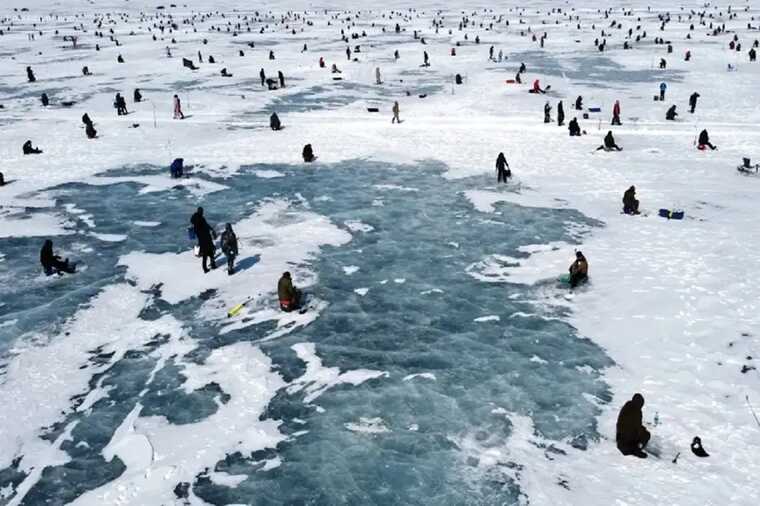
671,215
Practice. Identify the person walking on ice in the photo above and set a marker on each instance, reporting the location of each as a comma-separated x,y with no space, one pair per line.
178,108
503,172
396,111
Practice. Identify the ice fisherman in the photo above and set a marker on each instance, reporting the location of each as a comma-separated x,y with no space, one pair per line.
609,143
704,141
630,434
396,110
27,149
52,263
289,295
630,203
578,270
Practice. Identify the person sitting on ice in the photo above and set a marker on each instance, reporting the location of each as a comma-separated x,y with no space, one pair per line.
704,141
29,150
609,143
274,122
224,73
308,154
537,87
630,434
137,96
52,263
271,84
574,128
630,204
335,69
289,295
578,270
671,114
579,103
45,100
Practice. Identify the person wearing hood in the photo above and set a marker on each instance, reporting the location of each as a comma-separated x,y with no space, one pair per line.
503,172
609,143
137,96
630,434
308,154
52,263
671,114
579,103
704,141
289,295
574,128
630,204
274,122
29,150
229,247
205,234
578,270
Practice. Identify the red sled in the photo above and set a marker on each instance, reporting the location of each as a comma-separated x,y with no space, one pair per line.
701,147
510,81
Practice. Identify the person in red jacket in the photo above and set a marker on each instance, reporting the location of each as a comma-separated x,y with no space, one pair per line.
616,113
537,87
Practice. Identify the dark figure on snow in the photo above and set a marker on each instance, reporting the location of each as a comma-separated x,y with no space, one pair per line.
704,141
2,179
752,55
503,172
271,83
693,102
426,59
523,68
86,71
289,296
308,154
578,270
671,114
663,63
271,54
29,150
120,104
224,73
547,113
560,114
609,143
88,126
229,247
697,449
30,75
52,263
137,96
663,88
205,235
281,78
631,435
45,100
630,204
120,59
574,128
616,113
263,77
274,122
579,103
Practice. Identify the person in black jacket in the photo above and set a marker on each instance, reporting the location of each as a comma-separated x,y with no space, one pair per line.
579,103
503,172
574,128
308,153
631,436
609,143
274,122
630,204
29,150
52,263
704,140
671,114
205,235
547,113
229,247
693,102
560,114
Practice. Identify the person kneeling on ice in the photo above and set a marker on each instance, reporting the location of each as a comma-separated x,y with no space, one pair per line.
229,247
204,233
290,296
704,141
29,150
537,87
671,114
631,436
574,128
578,270
52,263
609,143
630,204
